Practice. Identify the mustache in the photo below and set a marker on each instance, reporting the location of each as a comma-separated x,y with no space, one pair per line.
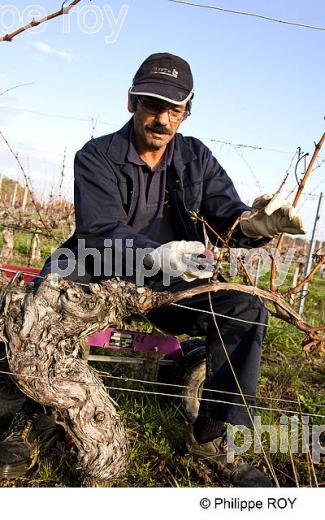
158,129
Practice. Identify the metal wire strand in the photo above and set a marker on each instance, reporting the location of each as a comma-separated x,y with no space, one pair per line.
212,390
248,408
181,386
27,376
245,13
219,315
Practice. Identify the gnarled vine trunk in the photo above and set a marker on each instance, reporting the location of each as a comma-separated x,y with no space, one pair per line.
45,331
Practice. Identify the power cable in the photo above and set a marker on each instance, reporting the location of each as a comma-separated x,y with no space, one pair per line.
98,121
245,13
60,116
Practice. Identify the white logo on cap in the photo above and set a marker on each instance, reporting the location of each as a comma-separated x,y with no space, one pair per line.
165,71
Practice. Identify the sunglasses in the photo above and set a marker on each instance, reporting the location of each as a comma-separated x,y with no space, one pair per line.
154,107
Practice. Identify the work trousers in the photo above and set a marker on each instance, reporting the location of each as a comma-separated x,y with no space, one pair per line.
238,334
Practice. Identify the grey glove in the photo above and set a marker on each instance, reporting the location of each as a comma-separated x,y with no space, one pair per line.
182,258
278,216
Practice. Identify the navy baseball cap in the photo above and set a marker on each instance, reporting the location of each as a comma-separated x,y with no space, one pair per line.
164,76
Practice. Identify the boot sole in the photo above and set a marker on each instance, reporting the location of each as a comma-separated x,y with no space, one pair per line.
9,472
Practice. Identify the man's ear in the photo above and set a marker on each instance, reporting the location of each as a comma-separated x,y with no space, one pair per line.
131,107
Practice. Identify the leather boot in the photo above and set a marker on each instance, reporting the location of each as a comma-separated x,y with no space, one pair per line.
29,435
214,454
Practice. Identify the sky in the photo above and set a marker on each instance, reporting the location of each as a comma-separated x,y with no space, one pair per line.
257,83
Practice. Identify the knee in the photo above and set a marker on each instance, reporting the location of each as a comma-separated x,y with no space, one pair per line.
256,312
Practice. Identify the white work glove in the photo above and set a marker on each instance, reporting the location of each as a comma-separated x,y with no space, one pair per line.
187,259
278,216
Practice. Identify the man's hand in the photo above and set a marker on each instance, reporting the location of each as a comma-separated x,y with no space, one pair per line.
187,259
277,216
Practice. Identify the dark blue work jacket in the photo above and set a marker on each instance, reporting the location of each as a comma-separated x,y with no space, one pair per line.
106,193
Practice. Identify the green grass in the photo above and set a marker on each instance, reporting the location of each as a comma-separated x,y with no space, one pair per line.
23,241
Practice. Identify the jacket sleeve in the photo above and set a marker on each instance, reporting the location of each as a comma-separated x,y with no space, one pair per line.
99,209
221,204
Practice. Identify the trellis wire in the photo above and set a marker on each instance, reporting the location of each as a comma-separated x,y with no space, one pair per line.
165,394
174,385
247,406
222,315
181,386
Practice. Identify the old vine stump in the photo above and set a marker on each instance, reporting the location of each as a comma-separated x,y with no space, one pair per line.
45,330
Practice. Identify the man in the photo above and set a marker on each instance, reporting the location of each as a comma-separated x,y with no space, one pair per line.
134,192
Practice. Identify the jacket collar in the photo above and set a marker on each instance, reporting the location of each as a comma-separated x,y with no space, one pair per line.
119,144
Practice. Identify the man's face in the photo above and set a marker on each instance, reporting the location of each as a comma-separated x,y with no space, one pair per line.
156,122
